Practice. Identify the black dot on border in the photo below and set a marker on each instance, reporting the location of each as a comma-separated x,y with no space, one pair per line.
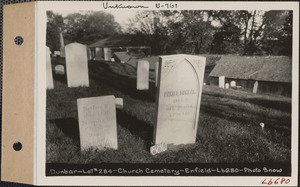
19,40
17,146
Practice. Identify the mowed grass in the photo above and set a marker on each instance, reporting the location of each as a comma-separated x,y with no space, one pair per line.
228,129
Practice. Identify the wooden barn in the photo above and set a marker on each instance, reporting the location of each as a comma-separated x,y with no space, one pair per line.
258,74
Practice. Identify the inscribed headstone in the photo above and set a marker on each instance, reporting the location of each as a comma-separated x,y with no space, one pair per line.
255,87
59,70
221,81
156,73
107,54
178,98
227,85
142,75
49,70
232,84
97,122
76,65
98,53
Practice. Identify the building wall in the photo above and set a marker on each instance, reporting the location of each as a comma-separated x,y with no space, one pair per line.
278,88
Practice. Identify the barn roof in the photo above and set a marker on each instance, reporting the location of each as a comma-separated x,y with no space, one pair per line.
275,69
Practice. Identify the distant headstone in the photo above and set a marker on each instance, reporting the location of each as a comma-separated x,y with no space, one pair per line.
221,81
119,102
62,52
178,99
156,73
158,148
49,70
76,65
98,53
89,53
97,122
232,84
255,87
142,75
59,70
107,54
227,85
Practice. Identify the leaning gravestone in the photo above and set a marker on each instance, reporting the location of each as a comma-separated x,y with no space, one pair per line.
178,98
49,70
97,122
76,65
255,87
221,81
142,75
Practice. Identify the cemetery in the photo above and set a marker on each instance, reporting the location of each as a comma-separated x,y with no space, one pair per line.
110,106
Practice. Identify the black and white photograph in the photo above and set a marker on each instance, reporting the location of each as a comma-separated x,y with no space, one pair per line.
169,92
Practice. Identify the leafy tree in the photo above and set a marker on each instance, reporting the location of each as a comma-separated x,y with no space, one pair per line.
54,27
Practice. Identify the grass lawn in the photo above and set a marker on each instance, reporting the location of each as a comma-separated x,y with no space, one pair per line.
228,131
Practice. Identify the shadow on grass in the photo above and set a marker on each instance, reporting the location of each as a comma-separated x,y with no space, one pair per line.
274,104
69,126
136,126
102,73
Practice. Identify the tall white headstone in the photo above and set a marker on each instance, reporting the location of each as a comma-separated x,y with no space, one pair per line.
156,73
142,75
107,54
178,98
49,70
97,122
255,87
76,65
221,81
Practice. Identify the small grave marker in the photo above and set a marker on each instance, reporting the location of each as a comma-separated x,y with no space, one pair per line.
158,148
97,122
119,103
255,87
227,85
221,81
232,84
59,70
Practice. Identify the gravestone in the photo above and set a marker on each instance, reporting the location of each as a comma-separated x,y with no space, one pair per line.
255,87
232,84
107,54
156,73
56,53
76,65
49,70
62,52
98,53
227,85
158,148
119,103
97,122
178,98
59,70
89,53
221,81
142,75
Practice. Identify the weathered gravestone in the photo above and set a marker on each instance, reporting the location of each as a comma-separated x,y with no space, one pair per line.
158,148
49,70
232,84
59,70
227,85
221,81
89,53
107,54
119,102
156,73
98,53
142,75
255,87
178,98
76,65
62,52
56,53
97,122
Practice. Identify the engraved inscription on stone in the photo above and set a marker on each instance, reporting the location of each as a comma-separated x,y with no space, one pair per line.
142,75
180,88
49,70
77,66
97,122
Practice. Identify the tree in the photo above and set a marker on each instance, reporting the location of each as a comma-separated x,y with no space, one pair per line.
54,26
